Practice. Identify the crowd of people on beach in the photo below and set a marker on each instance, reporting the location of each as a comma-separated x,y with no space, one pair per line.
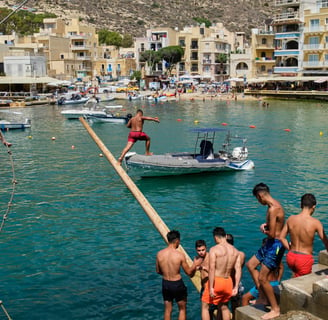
221,267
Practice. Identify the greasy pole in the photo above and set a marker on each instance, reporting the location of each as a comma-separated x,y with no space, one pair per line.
144,203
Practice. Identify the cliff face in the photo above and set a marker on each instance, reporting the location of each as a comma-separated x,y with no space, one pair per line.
135,16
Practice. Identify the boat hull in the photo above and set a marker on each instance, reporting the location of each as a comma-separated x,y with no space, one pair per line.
180,164
76,114
108,119
6,125
69,102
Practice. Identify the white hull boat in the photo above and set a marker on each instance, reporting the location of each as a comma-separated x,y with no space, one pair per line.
109,118
190,163
8,125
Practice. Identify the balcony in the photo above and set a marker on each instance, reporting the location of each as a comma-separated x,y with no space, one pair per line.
207,61
293,69
287,35
313,64
264,60
80,48
285,16
193,47
194,58
83,57
280,53
316,29
287,3
313,47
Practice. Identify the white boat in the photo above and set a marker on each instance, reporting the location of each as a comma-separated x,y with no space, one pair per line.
8,125
114,107
106,98
160,98
109,118
77,113
206,160
135,96
73,97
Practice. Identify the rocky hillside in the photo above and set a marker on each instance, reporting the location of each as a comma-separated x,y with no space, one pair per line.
135,16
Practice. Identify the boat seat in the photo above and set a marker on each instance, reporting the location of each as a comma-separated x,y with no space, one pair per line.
206,149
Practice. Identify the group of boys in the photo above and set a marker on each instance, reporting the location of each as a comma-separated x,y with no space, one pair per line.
221,267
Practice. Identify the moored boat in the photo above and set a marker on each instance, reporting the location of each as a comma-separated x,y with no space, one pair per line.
109,118
206,160
77,113
8,125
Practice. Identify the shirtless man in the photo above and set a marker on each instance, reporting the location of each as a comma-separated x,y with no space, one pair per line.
268,256
136,125
168,264
202,253
302,229
224,259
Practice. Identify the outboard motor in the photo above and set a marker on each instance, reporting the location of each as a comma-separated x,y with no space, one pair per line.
240,153
206,149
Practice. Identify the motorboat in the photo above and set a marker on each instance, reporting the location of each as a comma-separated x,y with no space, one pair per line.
118,106
109,118
9,125
77,113
72,98
206,160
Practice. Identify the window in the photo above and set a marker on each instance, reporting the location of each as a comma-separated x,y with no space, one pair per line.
182,42
264,41
326,57
313,59
314,42
314,24
262,68
142,47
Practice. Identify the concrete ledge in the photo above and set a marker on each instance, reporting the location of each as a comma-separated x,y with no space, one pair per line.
251,312
323,257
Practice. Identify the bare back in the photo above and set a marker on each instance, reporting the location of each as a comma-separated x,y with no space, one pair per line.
168,263
225,257
275,219
136,123
302,229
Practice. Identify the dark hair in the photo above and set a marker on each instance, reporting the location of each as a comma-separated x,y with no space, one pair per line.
219,232
139,110
200,243
308,200
229,238
172,236
260,187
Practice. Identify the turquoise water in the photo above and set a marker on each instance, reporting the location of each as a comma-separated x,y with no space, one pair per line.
77,245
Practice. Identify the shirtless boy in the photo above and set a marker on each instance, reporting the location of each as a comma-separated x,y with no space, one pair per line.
168,264
224,258
136,125
202,253
302,229
268,256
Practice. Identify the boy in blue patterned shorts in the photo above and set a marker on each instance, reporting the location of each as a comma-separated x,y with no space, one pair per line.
268,256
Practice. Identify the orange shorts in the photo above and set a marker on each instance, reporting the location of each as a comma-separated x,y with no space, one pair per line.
222,289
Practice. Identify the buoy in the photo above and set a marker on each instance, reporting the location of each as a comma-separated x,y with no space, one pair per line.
287,130
224,124
252,126
30,137
196,121
101,155
321,133
179,120
73,147
53,138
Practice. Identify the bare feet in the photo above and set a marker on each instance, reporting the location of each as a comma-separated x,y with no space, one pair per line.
149,153
119,161
7,144
270,315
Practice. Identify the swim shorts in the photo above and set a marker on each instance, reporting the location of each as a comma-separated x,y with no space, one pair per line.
300,263
271,253
174,290
255,292
137,135
222,289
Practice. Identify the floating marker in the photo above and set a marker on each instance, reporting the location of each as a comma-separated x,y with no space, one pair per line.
252,126
196,121
179,120
30,137
287,130
321,133
53,138
73,147
224,124
101,155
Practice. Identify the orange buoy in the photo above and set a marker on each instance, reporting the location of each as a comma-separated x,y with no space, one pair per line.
224,124
252,126
179,120
287,130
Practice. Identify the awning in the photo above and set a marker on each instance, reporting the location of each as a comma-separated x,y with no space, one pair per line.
321,80
284,79
28,80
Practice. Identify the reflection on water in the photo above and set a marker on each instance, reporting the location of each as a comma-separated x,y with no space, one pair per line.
77,245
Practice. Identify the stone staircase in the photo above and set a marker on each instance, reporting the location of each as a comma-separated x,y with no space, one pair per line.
302,298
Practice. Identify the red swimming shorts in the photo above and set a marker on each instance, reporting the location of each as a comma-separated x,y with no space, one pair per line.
222,289
299,263
137,135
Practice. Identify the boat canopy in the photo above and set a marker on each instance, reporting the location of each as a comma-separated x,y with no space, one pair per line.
204,130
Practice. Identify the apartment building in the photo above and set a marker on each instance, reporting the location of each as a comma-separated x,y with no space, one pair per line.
315,34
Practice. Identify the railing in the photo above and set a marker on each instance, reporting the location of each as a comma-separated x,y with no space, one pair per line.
286,16
287,35
286,2
286,52
315,46
207,61
286,69
315,29
313,64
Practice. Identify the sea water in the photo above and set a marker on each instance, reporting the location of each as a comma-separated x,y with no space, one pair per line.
77,245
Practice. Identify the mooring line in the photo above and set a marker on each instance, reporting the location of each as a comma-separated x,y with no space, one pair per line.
144,203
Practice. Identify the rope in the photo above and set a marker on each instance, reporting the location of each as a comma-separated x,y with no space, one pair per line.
14,181
4,218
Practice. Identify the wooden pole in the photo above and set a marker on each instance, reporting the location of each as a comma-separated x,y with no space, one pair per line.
144,203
